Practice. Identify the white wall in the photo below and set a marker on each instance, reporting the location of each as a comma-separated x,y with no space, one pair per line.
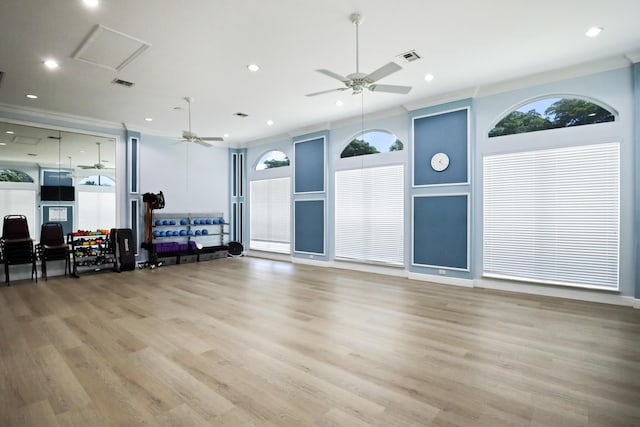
193,178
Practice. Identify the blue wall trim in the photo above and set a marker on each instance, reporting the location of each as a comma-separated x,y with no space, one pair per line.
636,94
440,231
309,226
309,165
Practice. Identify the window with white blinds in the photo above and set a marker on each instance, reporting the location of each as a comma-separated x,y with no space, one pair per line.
552,216
15,201
370,214
270,217
96,209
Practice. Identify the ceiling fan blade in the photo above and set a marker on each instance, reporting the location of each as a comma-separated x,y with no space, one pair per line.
86,166
327,91
188,135
390,89
333,75
212,138
203,143
383,72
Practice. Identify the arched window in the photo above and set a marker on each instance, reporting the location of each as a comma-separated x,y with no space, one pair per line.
272,159
372,142
12,175
551,113
98,180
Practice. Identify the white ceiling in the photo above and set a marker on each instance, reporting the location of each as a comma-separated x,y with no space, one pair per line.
201,48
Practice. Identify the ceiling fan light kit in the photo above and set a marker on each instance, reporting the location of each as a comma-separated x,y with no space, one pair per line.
358,81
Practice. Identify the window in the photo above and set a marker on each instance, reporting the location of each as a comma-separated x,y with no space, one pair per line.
20,202
272,159
270,217
96,209
98,180
372,142
551,113
552,216
370,214
12,175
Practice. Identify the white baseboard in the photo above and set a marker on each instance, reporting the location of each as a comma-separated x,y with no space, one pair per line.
453,281
369,268
555,291
313,262
269,255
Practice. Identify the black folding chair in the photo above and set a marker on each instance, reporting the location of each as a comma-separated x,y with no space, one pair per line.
52,247
16,245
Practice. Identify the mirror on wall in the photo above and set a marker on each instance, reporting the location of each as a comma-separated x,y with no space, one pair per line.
52,175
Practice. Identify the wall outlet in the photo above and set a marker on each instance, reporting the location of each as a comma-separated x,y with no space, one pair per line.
310,256
443,272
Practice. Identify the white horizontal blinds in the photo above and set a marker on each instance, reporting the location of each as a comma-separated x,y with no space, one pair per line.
370,214
270,216
96,210
20,202
552,216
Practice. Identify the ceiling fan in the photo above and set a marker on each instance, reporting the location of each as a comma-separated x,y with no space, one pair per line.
358,81
190,136
98,165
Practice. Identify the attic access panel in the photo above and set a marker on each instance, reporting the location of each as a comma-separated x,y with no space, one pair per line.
109,48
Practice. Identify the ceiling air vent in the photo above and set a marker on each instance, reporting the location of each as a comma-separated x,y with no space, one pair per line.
410,56
122,82
241,114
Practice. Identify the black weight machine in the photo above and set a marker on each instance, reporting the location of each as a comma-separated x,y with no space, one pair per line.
152,202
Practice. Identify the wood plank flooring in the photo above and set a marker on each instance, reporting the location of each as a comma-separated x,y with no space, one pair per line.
252,342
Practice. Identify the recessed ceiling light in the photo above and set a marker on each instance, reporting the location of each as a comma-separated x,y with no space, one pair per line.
3,143
51,64
270,122
593,31
226,135
91,3
253,67
429,77
10,132
148,119
31,96
339,103
82,151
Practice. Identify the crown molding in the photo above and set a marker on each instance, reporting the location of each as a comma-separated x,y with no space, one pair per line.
37,113
579,70
634,57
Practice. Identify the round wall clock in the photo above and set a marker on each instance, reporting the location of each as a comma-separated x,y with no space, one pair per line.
439,162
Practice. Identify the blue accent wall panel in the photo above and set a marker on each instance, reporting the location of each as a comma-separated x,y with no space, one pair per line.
309,226
134,165
67,226
309,166
446,133
440,231
61,178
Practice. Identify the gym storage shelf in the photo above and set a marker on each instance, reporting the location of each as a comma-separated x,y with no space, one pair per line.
189,237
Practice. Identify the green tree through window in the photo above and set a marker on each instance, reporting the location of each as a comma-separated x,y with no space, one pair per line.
372,142
560,112
272,159
12,175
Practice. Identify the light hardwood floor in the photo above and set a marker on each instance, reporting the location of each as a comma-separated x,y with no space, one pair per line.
251,342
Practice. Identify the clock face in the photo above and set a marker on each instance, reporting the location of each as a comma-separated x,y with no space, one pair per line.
439,162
